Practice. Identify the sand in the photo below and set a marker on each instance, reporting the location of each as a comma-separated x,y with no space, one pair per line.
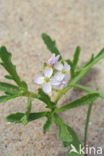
70,23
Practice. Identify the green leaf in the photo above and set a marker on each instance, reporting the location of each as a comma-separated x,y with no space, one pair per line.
74,63
16,117
63,131
91,60
76,57
100,54
8,77
6,87
68,136
7,64
69,62
37,115
25,118
76,143
64,134
24,85
5,98
51,45
86,99
80,69
48,123
46,99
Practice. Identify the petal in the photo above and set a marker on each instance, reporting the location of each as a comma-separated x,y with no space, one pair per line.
59,76
51,60
63,84
48,72
66,66
54,81
67,77
59,66
57,57
39,79
53,56
47,88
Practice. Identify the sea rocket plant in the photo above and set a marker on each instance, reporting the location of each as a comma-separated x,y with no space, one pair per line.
63,75
55,73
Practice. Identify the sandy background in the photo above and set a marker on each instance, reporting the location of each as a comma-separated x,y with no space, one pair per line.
70,23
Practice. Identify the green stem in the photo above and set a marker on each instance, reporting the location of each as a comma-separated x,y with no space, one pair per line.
87,122
29,105
33,95
86,99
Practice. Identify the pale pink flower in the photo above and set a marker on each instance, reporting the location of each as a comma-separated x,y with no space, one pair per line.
45,80
63,71
53,60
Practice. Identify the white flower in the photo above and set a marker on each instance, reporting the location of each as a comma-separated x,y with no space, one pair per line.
45,80
63,71
65,81
57,76
61,77
53,60
57,80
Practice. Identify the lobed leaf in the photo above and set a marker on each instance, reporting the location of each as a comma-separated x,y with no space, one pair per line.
5,98
8,77
76,143
37,115
100,54
16,117
48,123
68,136
51,45
69,62
86,99
10,88
90,61
8,65
76,57
63,131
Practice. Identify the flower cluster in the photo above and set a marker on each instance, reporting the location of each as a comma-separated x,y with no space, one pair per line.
54,74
